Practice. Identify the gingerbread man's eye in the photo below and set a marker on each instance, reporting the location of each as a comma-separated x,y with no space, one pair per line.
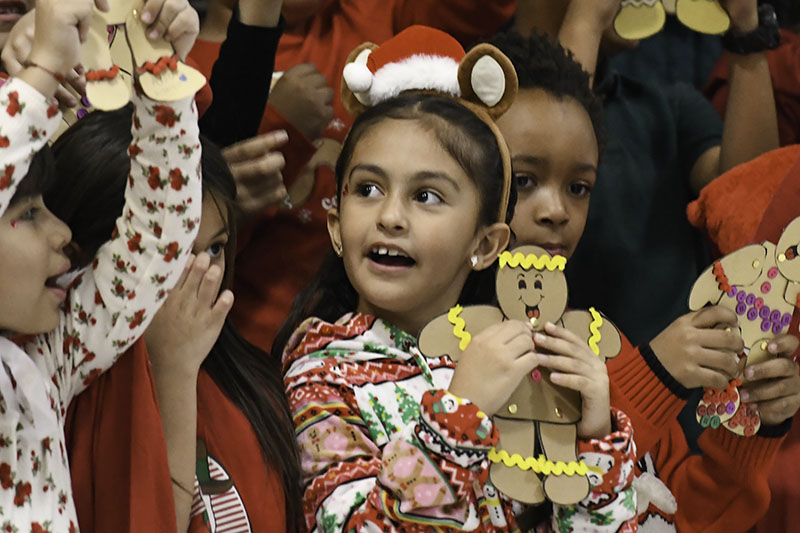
522,285
537,284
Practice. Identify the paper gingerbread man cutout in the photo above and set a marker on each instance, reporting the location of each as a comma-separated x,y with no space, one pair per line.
537,425
639,19
760,283
161,74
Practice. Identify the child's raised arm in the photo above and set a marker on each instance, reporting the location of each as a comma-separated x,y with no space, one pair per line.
115,298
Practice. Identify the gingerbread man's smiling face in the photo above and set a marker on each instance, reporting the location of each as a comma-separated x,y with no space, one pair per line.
531,285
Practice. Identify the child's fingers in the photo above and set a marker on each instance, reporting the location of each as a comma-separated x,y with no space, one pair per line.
725,362
526,362
779,367
150,11
209,287
774,412
196,273
783,345
560,346
102,5
255,147
721,339
264,165
223,305
576,382
566,364
183,30
714,315
773,389
186,269
711,378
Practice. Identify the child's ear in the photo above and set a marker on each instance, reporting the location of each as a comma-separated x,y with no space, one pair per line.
334,229
491,241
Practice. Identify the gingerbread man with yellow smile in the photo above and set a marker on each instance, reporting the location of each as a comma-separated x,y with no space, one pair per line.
537,425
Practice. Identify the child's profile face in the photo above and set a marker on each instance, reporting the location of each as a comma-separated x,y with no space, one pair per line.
213,233
33,241
407,224
554,158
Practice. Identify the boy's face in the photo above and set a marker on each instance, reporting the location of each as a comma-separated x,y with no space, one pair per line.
554,158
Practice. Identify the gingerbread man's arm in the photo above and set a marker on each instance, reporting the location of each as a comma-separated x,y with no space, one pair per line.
741,267
600,333
450,333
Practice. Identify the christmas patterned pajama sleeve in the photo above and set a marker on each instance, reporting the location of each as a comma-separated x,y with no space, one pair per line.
384,446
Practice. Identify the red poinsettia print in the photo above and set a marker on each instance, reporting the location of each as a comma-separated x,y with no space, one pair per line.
133,243
165,115
5,179
13,104
176,179
4,142
23,493
52,111
36,528
137,319
154,178
5,476
171,251
134,150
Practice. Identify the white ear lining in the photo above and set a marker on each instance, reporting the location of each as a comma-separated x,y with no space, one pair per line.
358,77
488,80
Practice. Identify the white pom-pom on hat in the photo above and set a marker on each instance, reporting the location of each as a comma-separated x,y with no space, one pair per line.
357,74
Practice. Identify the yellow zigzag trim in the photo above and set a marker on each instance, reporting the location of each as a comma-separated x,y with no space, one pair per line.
594,327
531,260
458,327
541,465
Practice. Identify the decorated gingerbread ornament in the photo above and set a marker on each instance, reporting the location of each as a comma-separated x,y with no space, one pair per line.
161,74
537,425
760,283
639,19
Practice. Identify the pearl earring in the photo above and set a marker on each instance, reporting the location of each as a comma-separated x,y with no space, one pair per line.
339,250
473,261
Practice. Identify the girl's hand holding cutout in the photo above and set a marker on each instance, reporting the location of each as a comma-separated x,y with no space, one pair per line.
774,386
573,365
256,166
698,350
493,365
174,20
61,27
186,327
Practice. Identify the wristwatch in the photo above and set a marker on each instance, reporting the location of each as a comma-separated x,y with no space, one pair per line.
766,37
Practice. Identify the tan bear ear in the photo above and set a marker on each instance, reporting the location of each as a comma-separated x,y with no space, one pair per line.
356,79
487,78
788,260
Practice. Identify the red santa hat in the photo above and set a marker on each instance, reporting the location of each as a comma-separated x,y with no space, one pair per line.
419,58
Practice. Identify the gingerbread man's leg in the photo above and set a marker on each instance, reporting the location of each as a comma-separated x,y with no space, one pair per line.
564,485
515,478
704,16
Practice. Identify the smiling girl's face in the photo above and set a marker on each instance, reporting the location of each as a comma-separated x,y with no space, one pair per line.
407,224
554,157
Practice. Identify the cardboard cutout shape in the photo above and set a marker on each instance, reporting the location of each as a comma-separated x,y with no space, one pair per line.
537,424
759,282
162,76
639,19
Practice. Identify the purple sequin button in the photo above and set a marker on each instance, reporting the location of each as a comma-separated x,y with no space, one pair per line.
775,316
766,324
777,328
764,312
741,308
786,319
752,313
740,296
731,407
751,299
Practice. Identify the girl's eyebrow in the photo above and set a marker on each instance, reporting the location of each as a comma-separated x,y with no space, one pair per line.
433,175
220,233
533,160
374,169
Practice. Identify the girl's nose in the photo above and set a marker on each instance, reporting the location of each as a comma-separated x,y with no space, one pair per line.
59,233
552,210
392,216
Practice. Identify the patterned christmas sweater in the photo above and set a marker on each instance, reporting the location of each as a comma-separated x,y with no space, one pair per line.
385,447
108,305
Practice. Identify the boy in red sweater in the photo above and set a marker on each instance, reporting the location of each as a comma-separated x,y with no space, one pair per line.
286,245
719,482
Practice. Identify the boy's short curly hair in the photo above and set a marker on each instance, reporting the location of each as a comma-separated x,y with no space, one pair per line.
544,64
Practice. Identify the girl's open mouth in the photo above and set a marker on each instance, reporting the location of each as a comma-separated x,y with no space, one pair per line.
390,257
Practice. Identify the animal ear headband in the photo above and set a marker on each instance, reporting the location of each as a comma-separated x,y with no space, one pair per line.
426,59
